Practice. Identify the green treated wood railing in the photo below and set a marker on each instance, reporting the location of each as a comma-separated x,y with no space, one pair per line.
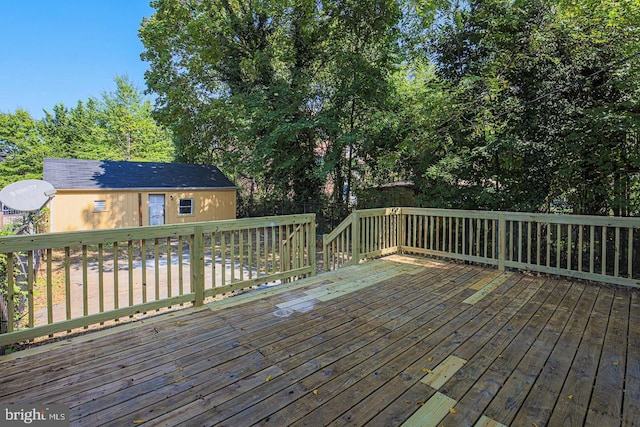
77,279
604,249
363,234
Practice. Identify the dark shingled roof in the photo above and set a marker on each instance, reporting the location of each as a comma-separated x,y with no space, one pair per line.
75,174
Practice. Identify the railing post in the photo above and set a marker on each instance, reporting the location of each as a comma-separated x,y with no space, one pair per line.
283,255
325,254
312,246
401,230
300,247
10,293
502,241
355,237
288,248
197,266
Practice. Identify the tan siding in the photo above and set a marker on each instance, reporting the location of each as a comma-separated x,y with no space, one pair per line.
74,210
207,205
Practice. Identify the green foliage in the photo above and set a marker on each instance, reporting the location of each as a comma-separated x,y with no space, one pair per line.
487,104
129,130
119,126
483,104
19,294
547,105
597,48
279,94
21,133
75,133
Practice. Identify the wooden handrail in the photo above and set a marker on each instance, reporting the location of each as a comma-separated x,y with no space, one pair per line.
24,243
148,268
605,249
85,277
353,239
340,228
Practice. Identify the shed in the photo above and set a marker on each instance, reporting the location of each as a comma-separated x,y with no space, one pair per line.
99,194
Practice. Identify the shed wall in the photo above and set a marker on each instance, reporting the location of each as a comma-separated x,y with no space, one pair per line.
76,210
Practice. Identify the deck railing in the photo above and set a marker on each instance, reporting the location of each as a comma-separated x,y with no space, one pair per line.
378,236
77,279
604,249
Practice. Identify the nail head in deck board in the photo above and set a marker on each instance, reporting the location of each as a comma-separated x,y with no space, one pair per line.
441,373
432,412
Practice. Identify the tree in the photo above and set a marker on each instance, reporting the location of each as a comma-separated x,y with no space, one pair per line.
599,159
418,146
20,132
358,90
117,127
483,104
537,94
232,83
127,127
277,89
75,133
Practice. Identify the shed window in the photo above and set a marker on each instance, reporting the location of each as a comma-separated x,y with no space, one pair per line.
185,206
99,205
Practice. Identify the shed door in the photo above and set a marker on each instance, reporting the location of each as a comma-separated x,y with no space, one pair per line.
156,209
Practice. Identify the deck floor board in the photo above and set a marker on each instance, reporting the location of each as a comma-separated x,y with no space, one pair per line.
573,401
511,396
350,348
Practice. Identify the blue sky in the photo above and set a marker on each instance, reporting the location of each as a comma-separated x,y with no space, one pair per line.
67,50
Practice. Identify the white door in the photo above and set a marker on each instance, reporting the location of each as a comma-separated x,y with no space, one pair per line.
156,209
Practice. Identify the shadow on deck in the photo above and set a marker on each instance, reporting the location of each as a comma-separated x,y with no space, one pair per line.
394,341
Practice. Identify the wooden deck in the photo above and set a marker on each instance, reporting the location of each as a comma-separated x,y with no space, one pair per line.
395,341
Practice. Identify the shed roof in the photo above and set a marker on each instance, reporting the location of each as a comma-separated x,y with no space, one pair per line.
76,174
